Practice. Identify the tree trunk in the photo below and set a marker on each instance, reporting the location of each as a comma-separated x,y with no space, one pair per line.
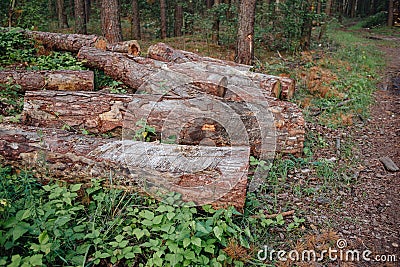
219,177
68,80
87,10
215,27
237,74
178,20
135,26
163,17
146,75
390,13
209,4
111,20
324,24
245,37
193,120
307,26
74,42
62,16
80,17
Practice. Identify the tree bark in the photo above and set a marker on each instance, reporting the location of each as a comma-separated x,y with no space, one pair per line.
149,76
245,36
163,17
88,6
220,181
62,16
192,120
74,42
68,80
135,27
215,27
80,17
178,20
285,90
390,13
111,20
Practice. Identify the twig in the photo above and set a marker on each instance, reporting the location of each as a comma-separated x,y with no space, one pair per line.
286,213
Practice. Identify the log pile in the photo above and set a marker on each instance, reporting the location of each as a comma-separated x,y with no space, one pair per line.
204,117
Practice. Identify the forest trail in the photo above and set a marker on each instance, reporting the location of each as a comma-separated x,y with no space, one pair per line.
374,204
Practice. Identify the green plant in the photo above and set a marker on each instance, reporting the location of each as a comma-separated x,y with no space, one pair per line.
11,101
62,224
144,132
15,48
117,88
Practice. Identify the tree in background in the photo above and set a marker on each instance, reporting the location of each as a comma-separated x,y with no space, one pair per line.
163,17
111,20
390,13
135,22
178,25
245,37
80,16
62,15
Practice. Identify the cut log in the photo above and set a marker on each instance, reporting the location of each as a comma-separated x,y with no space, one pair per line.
66,80
204,175
148,76
74,42
163,52
155,77
198,119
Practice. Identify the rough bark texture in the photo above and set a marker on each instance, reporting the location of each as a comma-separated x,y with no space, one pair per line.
74,42
216,22
390,13
284,90
80,17
111,20
178,20
67,42
67,80
62,16
219,178
221,122
245,36
163,18
146,75
135,26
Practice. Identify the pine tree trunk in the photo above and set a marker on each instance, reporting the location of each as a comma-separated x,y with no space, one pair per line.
245,36
163,17
111,20
62,16
390,12
307,26
87,10
215,26
135,27
80,17
178,20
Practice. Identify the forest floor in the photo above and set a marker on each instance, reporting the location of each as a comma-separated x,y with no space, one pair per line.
370,214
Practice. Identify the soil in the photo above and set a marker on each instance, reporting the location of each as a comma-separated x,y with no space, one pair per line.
372,209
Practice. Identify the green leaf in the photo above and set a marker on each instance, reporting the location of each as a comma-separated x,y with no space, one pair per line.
43,238
147,215
138,233
218,231
201,228
119,238
196,241
209,248
158,219
186,242
19,230
221,257
15,261
189,254
75,187
36,260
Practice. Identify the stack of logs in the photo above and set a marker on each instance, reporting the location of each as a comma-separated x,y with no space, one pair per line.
213,113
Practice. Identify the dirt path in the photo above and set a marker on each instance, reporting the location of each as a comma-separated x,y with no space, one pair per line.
374,204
